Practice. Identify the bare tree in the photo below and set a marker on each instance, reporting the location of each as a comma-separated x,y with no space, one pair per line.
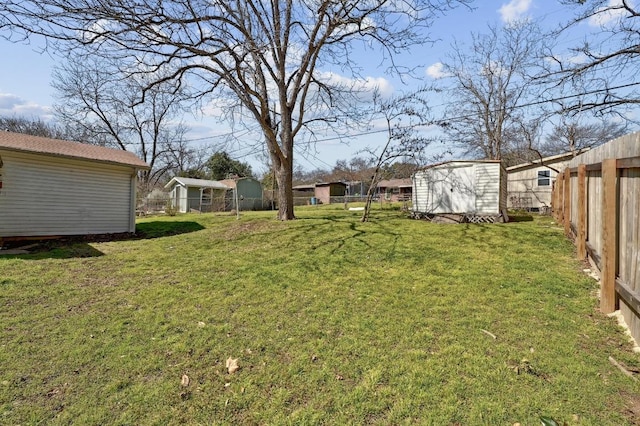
262,60
600,74
34,127
180,158
101,104
402,117
572,136
523,136
489,84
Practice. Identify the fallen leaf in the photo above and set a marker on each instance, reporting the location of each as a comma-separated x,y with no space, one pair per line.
185,380
232,365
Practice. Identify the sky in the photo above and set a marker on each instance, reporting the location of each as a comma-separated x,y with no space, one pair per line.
25,77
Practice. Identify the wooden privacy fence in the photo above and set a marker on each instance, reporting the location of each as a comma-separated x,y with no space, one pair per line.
599,205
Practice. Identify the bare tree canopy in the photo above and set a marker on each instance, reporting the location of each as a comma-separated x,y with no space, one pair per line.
489,84
264,62
34,127
603,67
403,116
573,136
102,105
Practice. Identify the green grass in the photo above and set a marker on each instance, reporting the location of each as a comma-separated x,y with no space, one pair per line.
333,321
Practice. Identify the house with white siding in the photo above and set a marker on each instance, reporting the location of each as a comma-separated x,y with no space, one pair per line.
529,184
51,187
473,191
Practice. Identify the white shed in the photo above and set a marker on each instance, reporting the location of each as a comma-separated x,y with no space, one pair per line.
50,187
474,190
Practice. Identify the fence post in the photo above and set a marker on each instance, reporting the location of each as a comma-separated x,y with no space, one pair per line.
567,202
557,205
581,237
609,240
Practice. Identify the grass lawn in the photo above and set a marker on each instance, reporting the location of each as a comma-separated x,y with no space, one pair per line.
331,320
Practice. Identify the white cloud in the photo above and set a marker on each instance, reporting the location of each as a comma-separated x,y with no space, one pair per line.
14,106
436,71
365,86
609,14
574,59
514,10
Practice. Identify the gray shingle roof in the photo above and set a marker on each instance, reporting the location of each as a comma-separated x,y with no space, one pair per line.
36,144
201,183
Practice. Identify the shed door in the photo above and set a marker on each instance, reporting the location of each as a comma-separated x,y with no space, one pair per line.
459,186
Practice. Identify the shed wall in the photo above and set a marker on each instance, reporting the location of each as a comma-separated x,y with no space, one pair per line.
487,188
45,196
460,187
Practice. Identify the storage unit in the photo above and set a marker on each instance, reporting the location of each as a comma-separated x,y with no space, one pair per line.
202,195
473,191
50,187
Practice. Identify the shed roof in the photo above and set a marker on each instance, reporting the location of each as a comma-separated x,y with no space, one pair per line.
200,183
458,163
395,183
304,187
60,148
547,160
330,183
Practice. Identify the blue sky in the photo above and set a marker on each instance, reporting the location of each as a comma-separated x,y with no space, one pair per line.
25,74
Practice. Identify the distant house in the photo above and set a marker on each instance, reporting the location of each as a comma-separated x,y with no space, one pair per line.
51,187
529,184
395,189
319,193
472,190
244,192
326,192
187,194
304,194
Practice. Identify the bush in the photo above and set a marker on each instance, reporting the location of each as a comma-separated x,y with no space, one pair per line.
170,209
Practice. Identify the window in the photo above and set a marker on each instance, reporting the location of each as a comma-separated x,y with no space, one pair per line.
544,178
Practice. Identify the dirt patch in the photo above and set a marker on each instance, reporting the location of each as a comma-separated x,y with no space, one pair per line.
35,245
632,403
237,229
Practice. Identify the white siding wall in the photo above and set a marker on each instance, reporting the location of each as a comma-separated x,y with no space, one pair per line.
458,187
524,191
487,181
44,195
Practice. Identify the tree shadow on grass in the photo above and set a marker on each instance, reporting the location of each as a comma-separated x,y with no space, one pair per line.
79,246
520,217
158,229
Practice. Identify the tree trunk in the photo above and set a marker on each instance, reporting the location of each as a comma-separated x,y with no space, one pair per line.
284,176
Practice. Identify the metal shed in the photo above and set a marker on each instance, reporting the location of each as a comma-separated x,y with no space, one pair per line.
51,187
465,191
245,193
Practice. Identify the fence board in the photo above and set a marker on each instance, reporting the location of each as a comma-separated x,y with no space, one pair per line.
566,205
609,234
581,234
